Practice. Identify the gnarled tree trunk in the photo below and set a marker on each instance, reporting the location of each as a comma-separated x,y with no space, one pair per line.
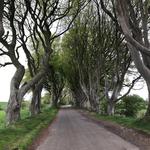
148,108
17,94
138,41
13,108
35,107
110,108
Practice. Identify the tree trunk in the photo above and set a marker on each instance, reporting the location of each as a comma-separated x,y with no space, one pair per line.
17,94
79,97
136,45
54,101
35,107
95,106
1,18
13,107
111,108
148,108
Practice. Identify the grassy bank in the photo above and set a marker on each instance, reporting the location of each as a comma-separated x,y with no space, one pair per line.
2,114
21,134
24,112
2,119
140,124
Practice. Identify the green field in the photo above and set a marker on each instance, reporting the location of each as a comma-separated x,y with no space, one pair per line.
3,105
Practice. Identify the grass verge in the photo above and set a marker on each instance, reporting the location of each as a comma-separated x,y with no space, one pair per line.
138,124
2,119
20,135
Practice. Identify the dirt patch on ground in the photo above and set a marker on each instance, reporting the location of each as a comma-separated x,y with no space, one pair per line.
137,137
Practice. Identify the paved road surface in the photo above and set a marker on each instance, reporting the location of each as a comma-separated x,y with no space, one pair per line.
72,131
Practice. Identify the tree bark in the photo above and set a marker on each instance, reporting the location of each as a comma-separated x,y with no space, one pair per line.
17,93
57,90
79,97
54,101
148,108
13,107
136,45
110,108
35,107
1,18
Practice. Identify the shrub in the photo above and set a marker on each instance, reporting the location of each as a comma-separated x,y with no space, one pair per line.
131,105
103,106
25,104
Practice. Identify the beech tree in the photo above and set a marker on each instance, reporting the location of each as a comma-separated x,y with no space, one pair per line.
134,17
55,81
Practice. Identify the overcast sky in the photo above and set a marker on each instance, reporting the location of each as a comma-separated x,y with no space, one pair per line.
6,73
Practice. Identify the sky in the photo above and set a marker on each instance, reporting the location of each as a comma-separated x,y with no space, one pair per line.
6,73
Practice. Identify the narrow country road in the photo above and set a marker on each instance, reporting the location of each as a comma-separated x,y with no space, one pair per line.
72,131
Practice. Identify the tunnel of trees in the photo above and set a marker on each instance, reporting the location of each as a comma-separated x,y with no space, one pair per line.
87,49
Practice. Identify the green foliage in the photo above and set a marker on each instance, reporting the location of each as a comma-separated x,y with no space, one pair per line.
20,135
25,104
103,105
46,99
131,105
62,103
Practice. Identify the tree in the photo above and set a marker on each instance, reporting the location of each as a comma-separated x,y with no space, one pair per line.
131,19
56,78
71,72
134,20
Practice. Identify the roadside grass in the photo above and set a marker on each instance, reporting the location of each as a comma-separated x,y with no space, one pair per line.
3,106
21,134
24,113
138,124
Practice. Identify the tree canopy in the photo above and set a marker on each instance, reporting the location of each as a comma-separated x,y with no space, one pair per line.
87,48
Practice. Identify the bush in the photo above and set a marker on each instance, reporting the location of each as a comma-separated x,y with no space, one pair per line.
131,105
25,104
103,106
